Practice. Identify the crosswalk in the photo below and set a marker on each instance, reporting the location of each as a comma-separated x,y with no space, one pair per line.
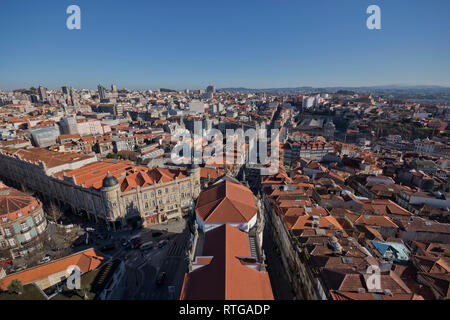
178,247
176,250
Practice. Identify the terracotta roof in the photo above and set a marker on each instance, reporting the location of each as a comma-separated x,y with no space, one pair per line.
49,158
13,201
86,260
226,201
227,276
129,175
374,220
305,222
342,295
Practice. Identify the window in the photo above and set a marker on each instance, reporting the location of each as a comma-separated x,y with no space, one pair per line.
27,236
24,226
167,190
146,205
7,232
3,244
145,196
173,189
5,219
134,198
12,243
159,192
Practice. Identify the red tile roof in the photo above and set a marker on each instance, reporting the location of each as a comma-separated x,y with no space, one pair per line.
227,276
86,260
13,201
226,201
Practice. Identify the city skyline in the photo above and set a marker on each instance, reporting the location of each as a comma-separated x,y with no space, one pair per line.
182,45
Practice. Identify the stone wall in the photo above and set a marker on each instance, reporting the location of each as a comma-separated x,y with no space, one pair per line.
304,283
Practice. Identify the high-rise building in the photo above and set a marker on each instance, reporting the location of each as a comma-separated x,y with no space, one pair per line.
68,125
68,92
113,88
101,92
42,93
211,89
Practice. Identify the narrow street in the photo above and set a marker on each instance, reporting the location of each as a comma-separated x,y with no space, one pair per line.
280,284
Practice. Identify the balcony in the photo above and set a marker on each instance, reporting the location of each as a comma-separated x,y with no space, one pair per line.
23,230
9,235
40,222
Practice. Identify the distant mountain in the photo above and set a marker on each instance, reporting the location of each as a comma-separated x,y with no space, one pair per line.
307,89
418,93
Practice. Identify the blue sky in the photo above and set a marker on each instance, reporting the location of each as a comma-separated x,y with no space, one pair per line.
192,43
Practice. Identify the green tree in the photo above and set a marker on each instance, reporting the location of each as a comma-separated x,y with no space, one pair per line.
15,286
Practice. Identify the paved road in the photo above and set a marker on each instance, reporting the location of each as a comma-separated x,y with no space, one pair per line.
175,266
143,269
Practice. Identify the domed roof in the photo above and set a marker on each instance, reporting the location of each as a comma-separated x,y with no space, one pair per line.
109,181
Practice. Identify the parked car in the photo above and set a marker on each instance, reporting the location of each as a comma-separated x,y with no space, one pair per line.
148,245
45,259
162,243
161,278
5,262
138,244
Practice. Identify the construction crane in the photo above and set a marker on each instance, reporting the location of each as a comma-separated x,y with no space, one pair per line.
43,108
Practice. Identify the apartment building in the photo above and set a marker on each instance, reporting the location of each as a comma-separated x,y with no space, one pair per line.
22,220
113,193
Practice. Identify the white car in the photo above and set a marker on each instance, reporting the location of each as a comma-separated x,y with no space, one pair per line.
45,259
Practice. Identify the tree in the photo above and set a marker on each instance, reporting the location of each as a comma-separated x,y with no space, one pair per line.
53,212
15,286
